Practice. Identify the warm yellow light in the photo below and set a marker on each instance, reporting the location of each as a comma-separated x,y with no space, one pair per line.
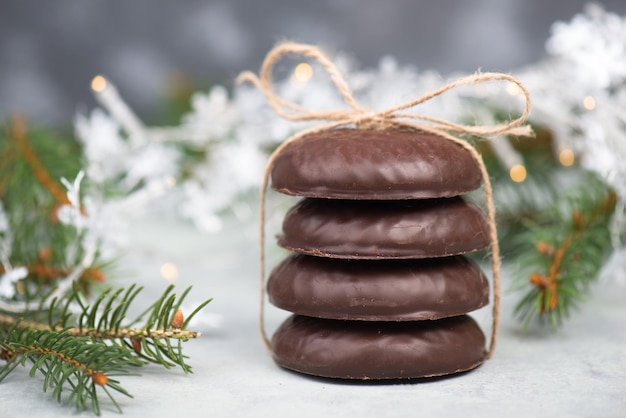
169,271
303,72
98,83
170,181
589,103
513,89
518,173
566,157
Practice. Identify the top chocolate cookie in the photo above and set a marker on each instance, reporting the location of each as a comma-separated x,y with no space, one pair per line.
375,165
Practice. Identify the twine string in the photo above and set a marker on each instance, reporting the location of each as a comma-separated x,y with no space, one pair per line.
391,118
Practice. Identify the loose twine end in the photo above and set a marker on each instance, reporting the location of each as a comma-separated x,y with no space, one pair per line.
393,117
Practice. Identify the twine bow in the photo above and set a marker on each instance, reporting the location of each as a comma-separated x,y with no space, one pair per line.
393,117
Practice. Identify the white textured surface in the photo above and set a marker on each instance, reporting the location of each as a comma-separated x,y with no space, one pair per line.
579,371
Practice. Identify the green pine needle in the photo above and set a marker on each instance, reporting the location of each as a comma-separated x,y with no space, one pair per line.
76,343
72,346
68,363
565,248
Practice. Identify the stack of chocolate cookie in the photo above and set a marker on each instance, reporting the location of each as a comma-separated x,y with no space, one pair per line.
377,279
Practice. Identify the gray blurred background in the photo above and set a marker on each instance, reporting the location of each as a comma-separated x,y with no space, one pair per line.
50,50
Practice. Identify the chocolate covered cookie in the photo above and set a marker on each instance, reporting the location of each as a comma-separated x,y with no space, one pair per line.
378,350
375,164
384,290
377,280
385,229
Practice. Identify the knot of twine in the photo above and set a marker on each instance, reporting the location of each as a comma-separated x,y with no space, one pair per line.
387,118
390,118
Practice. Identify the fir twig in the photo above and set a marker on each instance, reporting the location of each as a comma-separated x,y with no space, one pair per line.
18,136
104,320
569,248
48,249
101,332
77,344
65,360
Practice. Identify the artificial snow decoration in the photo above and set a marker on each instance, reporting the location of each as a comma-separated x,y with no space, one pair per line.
5,236
8,280
578,92
582,88
593,46
104,148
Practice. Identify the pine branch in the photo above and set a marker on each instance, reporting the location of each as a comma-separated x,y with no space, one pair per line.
19,138
76,343
65,360
104,320
565,252
555,226
96,342
30,197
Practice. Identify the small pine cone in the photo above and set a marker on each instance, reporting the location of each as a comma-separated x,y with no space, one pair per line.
6,355
136,343
99,378
177,320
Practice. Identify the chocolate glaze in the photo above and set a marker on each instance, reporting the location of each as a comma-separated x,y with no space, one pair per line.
382,290
375,165
378,350
384,229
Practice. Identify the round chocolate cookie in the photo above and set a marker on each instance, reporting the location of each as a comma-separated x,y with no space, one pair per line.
382,290
384,229
375,164
378,350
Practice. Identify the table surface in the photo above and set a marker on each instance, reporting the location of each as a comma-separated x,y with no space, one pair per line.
577,371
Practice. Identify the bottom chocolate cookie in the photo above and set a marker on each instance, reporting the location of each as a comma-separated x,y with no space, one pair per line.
378,350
